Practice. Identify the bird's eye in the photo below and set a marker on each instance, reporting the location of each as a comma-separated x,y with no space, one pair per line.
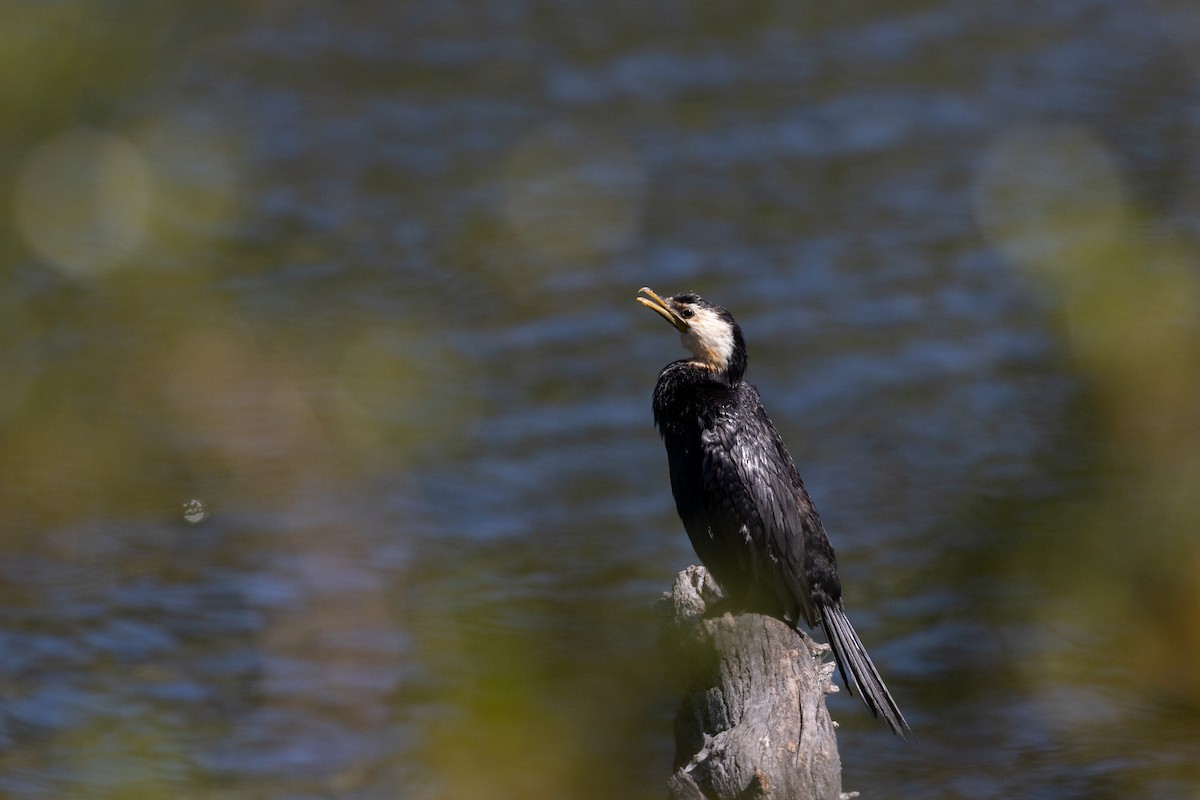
686,313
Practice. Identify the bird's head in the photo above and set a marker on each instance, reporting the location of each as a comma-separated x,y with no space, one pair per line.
707,331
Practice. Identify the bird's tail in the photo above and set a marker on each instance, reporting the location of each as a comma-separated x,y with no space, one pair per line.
852,657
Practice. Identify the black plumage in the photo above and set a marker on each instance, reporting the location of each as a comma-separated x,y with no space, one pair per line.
740,495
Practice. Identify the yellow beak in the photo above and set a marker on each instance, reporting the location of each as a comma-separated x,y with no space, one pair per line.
661,307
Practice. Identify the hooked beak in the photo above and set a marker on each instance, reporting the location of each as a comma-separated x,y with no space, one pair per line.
661,307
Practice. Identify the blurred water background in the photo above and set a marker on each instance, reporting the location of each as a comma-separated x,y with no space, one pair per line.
326,460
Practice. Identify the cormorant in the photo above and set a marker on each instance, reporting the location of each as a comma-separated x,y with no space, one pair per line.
740,496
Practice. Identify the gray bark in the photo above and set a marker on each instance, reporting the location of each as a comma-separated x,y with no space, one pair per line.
753,722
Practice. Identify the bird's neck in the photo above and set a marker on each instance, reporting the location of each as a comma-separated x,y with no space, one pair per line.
709,372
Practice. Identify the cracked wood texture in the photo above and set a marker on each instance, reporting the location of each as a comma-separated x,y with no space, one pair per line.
753,722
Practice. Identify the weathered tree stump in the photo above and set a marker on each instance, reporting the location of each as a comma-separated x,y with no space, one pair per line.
753,722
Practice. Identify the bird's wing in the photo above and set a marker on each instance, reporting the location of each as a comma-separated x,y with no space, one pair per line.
754,489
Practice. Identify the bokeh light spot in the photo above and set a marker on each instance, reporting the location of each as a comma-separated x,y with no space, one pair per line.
81,200
1048,196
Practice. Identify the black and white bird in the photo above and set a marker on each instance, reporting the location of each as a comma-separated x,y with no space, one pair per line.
740,496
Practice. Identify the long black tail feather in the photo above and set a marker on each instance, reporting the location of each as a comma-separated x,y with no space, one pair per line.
852,658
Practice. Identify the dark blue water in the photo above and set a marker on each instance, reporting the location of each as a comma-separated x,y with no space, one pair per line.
327,462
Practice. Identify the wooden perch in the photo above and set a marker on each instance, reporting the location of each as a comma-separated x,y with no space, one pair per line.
753,722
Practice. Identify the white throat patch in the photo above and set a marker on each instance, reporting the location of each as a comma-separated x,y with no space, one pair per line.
709,339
